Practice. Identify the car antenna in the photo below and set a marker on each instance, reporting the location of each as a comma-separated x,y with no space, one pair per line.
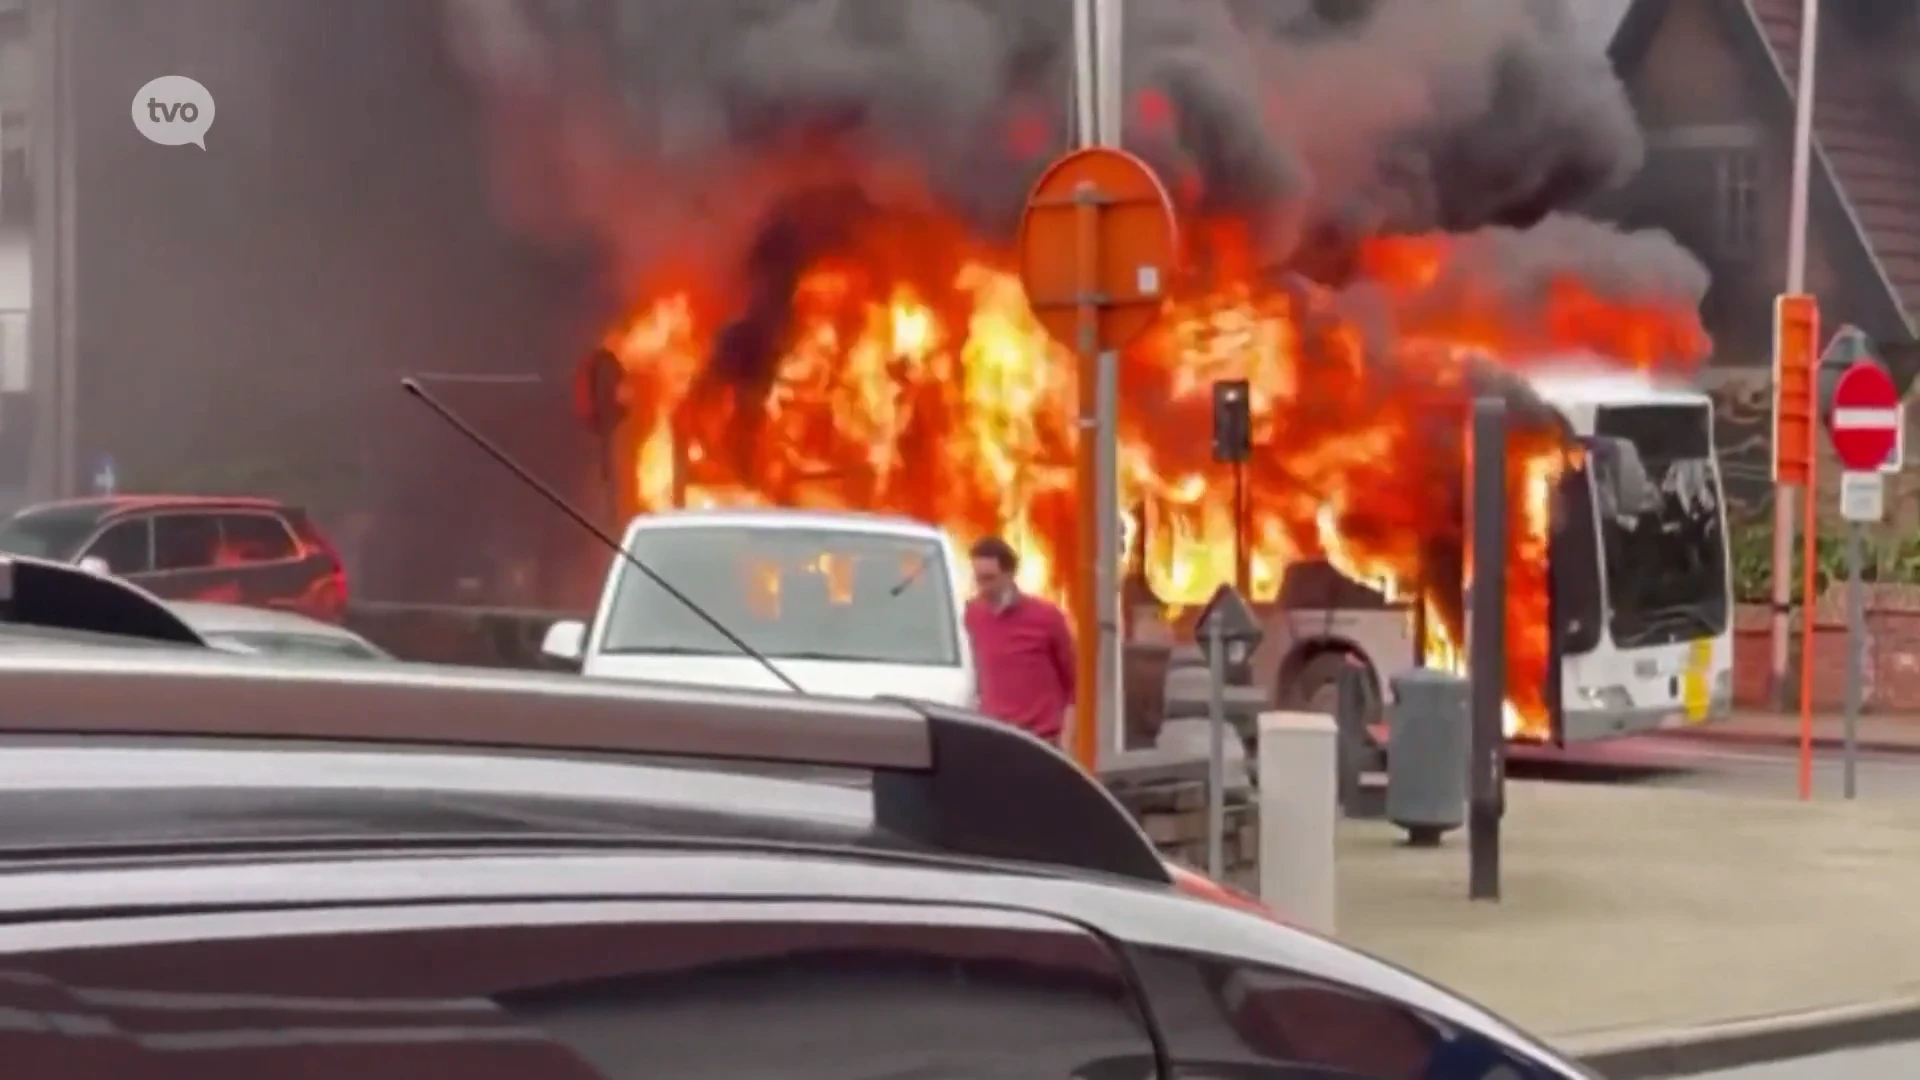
487,446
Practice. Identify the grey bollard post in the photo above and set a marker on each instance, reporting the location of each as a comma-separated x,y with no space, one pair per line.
1429,733
1298,817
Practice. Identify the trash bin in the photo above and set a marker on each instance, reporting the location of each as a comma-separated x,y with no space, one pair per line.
1429,740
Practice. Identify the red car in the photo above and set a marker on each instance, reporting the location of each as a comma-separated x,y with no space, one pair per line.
259,552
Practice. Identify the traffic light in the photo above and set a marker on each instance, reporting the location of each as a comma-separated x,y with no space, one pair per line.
1796,331
1232,421
596,392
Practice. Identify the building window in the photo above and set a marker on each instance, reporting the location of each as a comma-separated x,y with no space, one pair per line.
16,177
1718,169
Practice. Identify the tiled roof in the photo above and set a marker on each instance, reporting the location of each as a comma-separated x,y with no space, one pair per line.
1871,146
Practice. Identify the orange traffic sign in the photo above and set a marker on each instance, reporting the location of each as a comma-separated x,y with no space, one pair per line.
1098,248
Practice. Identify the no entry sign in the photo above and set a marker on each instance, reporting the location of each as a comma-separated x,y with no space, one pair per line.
1865,421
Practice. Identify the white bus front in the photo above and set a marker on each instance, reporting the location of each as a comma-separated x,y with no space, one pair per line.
1642,589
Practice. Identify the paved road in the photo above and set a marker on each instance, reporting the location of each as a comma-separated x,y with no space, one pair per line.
1701,762
1873,1063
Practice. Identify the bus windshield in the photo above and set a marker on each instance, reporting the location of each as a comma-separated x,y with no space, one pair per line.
1664,558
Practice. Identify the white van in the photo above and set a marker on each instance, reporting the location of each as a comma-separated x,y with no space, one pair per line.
844,604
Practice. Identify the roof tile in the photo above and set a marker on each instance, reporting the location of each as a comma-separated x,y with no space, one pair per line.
1874,152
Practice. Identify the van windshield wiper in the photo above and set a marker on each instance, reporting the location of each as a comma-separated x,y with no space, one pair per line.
906,582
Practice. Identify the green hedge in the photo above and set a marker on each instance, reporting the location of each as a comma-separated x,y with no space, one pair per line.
1885,560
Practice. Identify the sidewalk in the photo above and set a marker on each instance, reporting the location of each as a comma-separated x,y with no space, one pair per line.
1883,733
1634,916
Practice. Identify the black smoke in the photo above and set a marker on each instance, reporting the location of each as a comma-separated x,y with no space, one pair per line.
1317,124
1351,119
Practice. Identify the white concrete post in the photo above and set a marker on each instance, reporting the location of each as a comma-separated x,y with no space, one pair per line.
1299,804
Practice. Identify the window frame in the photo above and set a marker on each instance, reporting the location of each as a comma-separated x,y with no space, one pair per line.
158,517
1736,155
539,948
1180,984
294,547
145,520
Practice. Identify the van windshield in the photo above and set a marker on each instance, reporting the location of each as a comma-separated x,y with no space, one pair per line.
794,594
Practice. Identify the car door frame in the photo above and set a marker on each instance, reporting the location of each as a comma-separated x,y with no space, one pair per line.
42,952
176,583
112,523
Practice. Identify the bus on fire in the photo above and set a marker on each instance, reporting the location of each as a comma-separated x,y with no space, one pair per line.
1639,572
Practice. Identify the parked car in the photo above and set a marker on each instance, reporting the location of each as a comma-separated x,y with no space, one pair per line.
264,632
372,871
858,605
187,547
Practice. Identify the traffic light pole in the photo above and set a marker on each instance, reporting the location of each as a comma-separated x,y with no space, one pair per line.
1784,494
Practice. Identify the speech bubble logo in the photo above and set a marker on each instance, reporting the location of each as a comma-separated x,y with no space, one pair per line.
173,110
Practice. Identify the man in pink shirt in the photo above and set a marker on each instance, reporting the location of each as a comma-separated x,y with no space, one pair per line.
1022,646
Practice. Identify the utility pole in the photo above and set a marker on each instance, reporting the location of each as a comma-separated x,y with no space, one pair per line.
1099,111
51,316
1783,495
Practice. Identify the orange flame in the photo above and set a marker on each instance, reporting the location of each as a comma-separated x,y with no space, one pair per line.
913,378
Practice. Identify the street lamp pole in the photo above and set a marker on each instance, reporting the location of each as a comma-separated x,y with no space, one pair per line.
1783,495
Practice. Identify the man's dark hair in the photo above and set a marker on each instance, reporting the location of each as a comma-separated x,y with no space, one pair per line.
1001,552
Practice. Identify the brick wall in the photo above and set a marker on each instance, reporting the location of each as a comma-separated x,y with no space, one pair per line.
1174,816
1892,666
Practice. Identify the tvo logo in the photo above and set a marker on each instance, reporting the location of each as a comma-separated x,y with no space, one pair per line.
173,110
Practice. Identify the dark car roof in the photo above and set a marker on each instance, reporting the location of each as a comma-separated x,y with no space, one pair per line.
427,791
186,781
100,508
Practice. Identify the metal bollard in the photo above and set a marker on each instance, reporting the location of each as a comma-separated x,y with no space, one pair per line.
1429,738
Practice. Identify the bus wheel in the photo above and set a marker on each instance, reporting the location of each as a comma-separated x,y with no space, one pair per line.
1315,687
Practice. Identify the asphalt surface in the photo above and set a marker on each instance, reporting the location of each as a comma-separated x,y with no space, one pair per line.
1704,763
1872,1063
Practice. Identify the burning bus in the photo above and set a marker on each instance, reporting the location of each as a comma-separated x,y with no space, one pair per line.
804,218
1638,630
950,405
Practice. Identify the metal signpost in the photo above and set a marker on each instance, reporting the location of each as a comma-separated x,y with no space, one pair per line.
1228,633
1487,646
1863,421
1098,246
